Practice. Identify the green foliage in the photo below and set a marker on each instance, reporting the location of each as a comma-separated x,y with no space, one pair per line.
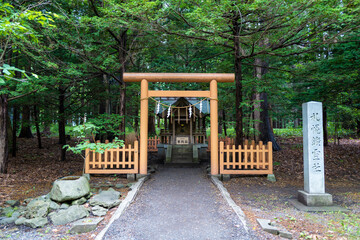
83,131
97,147
108,124
288,132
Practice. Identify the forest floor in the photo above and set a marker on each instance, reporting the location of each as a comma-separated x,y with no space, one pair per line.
260,198
32,172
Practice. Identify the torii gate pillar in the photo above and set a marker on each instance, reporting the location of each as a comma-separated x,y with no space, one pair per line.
144,114
214,128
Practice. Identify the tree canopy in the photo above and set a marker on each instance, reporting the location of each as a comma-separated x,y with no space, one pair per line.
64,60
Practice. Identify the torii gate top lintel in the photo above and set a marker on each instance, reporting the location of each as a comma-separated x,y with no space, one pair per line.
179,77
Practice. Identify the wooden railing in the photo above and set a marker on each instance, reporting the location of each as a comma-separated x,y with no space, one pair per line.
113,161
249,159
226,140
152,144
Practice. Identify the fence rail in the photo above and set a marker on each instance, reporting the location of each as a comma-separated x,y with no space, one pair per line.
113,161
249,159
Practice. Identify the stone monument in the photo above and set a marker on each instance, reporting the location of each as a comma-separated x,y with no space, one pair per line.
313,144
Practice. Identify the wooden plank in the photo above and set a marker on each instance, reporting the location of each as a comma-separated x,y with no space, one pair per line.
221,149
112,171
270,157
111,160
179,77
250,172
129,159
136,156
87,160
227,157
123,158
256,161
179,93
251,157
233,156
245,156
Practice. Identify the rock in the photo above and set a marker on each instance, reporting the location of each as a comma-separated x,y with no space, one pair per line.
21,210
87,176
64,206
20,221
53,205
65,190
99,211
37,222
107,199
119,185
85,225
89,195
27,200
37,208
69,215
79,201
8,211
13,203
11,219
129,185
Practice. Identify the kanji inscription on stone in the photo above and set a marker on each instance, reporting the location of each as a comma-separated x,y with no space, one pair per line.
313,148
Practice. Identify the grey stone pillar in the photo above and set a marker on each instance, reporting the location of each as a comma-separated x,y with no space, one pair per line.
313,144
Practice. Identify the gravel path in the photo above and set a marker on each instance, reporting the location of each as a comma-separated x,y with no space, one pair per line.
178,203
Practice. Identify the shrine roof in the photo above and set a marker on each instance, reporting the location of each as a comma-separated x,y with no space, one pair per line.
180,102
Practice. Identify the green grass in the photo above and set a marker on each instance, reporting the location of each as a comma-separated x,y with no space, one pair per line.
347,225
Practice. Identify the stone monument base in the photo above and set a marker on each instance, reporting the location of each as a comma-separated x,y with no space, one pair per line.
315,199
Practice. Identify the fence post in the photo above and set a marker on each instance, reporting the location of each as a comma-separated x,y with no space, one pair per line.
136,156
87,160
221,157
270,148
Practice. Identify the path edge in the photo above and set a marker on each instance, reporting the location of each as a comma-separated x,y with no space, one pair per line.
124,204
230,201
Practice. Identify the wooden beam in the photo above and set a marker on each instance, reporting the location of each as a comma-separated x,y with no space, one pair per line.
179,94
179,77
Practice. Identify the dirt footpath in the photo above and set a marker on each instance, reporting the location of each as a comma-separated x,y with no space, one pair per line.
178,203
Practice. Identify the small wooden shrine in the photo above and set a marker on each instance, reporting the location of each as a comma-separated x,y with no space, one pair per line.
184,120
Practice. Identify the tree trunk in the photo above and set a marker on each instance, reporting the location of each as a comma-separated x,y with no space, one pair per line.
14,130
151,125
62,136
220,130
38,134
136,121
326,141
266,133
256,104
224,122
122,60
3,134
238,101
25,123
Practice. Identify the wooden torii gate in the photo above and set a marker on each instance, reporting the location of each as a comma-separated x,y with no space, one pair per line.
212,78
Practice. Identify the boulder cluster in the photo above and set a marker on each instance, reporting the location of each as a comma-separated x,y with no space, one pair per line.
70,199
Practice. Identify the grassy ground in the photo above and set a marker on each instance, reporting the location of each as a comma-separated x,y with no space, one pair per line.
260,198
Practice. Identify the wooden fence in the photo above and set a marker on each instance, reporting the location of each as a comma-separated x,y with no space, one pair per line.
249,159
113,161
152,144
227,141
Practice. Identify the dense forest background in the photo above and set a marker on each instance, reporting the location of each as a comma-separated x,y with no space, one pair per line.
62,63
